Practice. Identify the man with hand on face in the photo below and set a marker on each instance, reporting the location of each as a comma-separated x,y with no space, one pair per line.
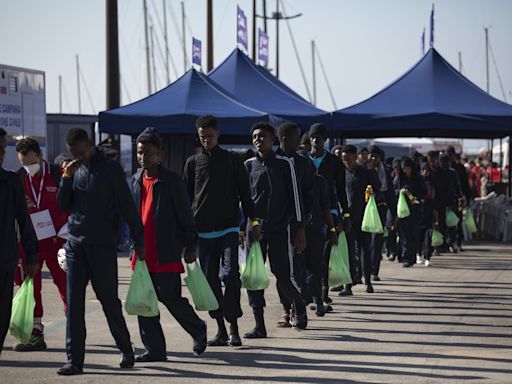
94,190
162,198
278,209
217,183
40,181
13,212
358,178
331,168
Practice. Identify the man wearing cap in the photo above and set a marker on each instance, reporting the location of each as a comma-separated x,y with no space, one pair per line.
95,192
169,232
279,211
217,183
332,169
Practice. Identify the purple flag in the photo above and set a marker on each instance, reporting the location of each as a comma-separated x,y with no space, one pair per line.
432,27
262,47
241,28
423,43
196,52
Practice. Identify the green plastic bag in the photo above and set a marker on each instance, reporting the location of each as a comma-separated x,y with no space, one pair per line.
469,220
386,232
402,209
371,218
451,218
437,238
202,295
339,270
22,316
255,275
141,299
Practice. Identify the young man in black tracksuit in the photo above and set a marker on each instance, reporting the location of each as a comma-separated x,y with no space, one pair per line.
217,183
332,169
358,178
278,209
289,136
13,209
169,231
94,190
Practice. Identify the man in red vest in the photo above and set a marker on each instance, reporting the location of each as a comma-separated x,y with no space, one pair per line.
40,181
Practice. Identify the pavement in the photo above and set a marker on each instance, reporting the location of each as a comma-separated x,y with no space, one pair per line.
450,322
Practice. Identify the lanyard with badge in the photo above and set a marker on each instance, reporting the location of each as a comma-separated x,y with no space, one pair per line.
41,220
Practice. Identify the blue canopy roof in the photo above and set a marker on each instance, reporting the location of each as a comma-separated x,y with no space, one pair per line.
175,108
258,88
432,99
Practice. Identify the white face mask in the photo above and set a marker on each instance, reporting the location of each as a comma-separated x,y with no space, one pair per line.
32,169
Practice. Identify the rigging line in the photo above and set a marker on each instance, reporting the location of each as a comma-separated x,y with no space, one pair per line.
123,83
497,72
66,95
130,65
178,32
221,24
331,94
161,27
84,82
161,53
296,53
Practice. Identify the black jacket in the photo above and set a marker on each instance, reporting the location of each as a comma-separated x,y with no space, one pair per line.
96,196
321,201
388,197
217,182
356,183
463,177
275,192
174,222
305,171
332,169
443,185
415,184
13,211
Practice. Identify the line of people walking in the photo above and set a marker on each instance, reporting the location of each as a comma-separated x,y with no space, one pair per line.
294,201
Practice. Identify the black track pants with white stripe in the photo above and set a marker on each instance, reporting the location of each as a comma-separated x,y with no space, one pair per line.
277,246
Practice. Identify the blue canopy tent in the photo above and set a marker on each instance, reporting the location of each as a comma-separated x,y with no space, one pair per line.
174,109
430,100
256,87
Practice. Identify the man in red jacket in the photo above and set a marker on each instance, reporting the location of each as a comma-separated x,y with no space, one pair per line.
40,181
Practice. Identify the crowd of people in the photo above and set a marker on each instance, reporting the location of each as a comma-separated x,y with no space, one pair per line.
294,201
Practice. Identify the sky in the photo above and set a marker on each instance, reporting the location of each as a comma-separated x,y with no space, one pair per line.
364,44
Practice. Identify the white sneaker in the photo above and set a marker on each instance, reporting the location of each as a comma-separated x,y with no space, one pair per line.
419,260
427,263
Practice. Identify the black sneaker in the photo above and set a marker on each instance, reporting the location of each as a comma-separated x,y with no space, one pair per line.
256,334
35,343
200,343
127,360
320,310
70,369
218,341
301,321
234,340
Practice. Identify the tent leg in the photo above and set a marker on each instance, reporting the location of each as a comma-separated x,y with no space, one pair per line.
509,168
501,159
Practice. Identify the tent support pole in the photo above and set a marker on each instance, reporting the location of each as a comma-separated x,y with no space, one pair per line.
501,159
509,168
